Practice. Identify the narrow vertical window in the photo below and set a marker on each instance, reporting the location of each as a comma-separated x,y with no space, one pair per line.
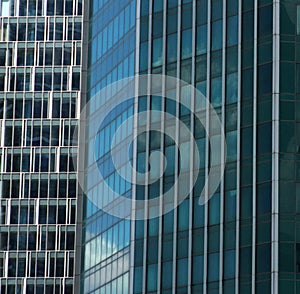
298,257
298,20
5,8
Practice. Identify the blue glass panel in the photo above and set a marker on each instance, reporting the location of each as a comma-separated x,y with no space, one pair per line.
232,30
186,50
172,48
157,52
151,277
231,88
217,35
213,267
197,269
216,91
182,268
201,40
214,209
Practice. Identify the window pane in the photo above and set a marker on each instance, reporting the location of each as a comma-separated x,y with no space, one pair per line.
167,275
172,48
213,267
298,20
201,45
265,24
264,198
263,258
230,206
217,9
298,257
152,277
186,44
217,33
214,209
229,264
182,267
5,8
197,269
157,52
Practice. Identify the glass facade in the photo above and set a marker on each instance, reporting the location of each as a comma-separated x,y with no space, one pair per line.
244,56
106,239
289,181
40,81
193,248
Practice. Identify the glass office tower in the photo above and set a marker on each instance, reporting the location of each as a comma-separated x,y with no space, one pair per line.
106,239
40,70
244,57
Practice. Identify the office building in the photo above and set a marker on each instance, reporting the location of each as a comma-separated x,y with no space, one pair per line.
40,73
244,56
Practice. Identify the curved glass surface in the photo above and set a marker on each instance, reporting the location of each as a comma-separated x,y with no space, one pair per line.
105,258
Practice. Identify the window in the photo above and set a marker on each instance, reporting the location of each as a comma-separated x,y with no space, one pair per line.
5,8
59,7
246,203
216,91
144,56
77,31
231,139
230,205
265,23
182,267
186,50
217,35
231,88
264,139
186,16
213,238
214,209
232,31
167,275
213,267
32,7
245,261
298,253
172,48
265,79
263,258
197,269
50,7
172,3
2,57
172,21
138,279
152,277
68,7
286,257
298,20
298,64
217,9
232,7
201,43
157,52
201,14
157,28
229,264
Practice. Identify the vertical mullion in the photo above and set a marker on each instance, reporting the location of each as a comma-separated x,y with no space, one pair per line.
176,150
222,201
238,147
254,144
191,199
161,182
275,147
146,221
205,275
